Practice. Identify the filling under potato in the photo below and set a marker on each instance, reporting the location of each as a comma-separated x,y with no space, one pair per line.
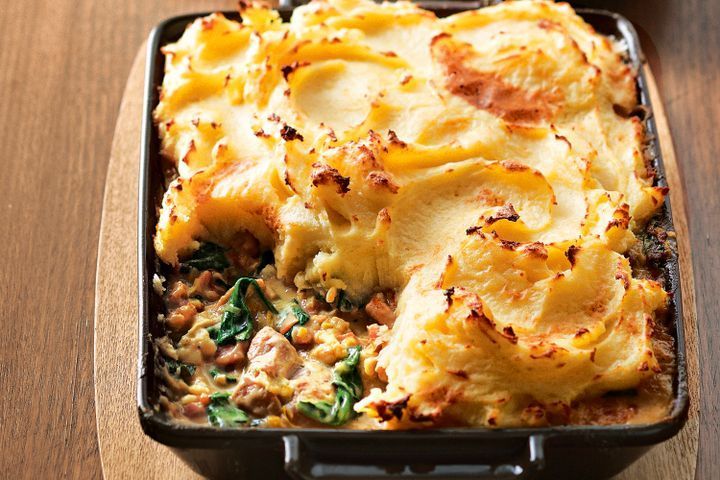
244,348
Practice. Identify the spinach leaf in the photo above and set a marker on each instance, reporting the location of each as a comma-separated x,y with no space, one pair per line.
301,315
346,375
236,324
222,413
213,333
179,369
321,412
209,256
343,303
348,390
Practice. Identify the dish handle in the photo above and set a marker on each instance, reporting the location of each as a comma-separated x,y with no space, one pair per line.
302,464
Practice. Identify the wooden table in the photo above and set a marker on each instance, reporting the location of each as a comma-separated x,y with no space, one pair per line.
63,65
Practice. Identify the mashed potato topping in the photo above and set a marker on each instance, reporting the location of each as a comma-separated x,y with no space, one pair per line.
483,166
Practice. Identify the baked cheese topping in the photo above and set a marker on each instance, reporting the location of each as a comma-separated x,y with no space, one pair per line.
483,166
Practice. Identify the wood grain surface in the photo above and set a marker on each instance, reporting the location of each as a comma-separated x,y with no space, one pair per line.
63,65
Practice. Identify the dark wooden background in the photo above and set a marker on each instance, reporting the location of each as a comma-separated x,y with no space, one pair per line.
63,65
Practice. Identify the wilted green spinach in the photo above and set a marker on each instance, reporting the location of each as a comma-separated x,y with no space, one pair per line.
236,324
209,256
222,413
296,310
179,369
348,390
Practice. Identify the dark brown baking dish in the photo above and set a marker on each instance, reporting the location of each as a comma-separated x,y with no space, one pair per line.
554,452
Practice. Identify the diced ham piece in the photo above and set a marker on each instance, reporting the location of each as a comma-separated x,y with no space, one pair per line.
231,354
379,310
194,409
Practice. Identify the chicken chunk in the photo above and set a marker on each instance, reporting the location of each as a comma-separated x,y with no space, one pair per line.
264,386
273,353
253,396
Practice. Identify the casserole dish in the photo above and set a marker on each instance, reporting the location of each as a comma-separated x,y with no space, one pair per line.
314,453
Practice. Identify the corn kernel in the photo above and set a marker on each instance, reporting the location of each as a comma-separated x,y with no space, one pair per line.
325,354
273,421
369,366
198,389
331,295
302,336
350,342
